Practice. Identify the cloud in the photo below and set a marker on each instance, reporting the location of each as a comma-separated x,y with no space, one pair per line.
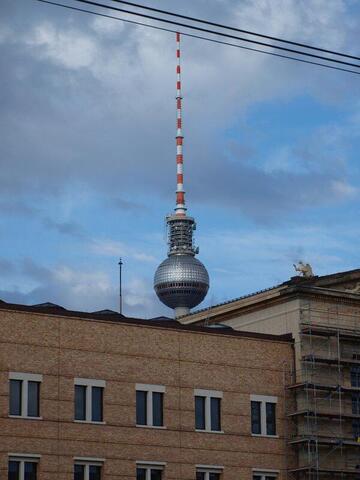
118,249
107,27
16,207
125,139
69,49
6,267
126,205
344,190
84,290
71,228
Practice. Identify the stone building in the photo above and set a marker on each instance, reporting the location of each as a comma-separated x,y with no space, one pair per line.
322,400
101,396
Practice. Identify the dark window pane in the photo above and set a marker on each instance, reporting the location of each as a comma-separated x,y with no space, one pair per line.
79,472
141,417
200,475
15,397
33,399
215,411
256,477
158,399
214,476
200,413
30,471
156,474
140,473
356,428
356,404
94,472
80,402
270,418
256,418
355,376
97,404
14,470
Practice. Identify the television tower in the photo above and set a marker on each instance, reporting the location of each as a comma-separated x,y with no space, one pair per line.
181,281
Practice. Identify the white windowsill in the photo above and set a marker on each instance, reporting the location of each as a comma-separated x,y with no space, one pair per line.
25,417
263,435
209,431
156,427
90,422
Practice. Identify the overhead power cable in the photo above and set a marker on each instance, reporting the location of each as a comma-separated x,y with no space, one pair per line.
133,22
214,32
234,29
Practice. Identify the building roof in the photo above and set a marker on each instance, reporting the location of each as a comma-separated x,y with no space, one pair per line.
157,322
340,283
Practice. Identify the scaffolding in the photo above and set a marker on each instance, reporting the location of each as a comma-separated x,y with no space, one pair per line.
322,396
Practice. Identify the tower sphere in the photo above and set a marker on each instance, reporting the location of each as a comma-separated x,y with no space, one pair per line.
181,282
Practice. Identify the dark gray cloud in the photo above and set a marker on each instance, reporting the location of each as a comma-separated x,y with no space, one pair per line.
126,205
6,267
72,117
72,229
17,207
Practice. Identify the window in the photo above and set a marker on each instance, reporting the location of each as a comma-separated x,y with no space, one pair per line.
150,405
355,376
263,415
208,410
208,473
264,475
149,471
89,400
23,468
24,395
88,469
355,403
356,429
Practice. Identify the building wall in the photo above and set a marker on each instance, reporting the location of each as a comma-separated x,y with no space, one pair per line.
277,319
62,348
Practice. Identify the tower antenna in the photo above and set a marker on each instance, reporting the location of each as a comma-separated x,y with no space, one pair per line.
180,194
120,285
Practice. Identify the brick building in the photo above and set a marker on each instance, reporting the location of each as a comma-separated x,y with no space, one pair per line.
89,396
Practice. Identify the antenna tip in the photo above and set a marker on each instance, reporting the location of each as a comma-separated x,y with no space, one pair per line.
177,36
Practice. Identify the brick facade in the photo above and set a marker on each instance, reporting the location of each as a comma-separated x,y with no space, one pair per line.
124,353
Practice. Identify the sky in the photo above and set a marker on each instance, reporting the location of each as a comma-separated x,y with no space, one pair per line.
87,152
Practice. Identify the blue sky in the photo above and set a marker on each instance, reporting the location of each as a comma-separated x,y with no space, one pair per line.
87,153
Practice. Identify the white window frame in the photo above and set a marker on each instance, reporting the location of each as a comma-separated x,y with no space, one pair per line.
148,466
25,378
89,462
265,473
208,394
150,389
207,469
264,399
89,383
22,458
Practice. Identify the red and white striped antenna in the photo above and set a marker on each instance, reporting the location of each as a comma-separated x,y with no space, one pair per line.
180,193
